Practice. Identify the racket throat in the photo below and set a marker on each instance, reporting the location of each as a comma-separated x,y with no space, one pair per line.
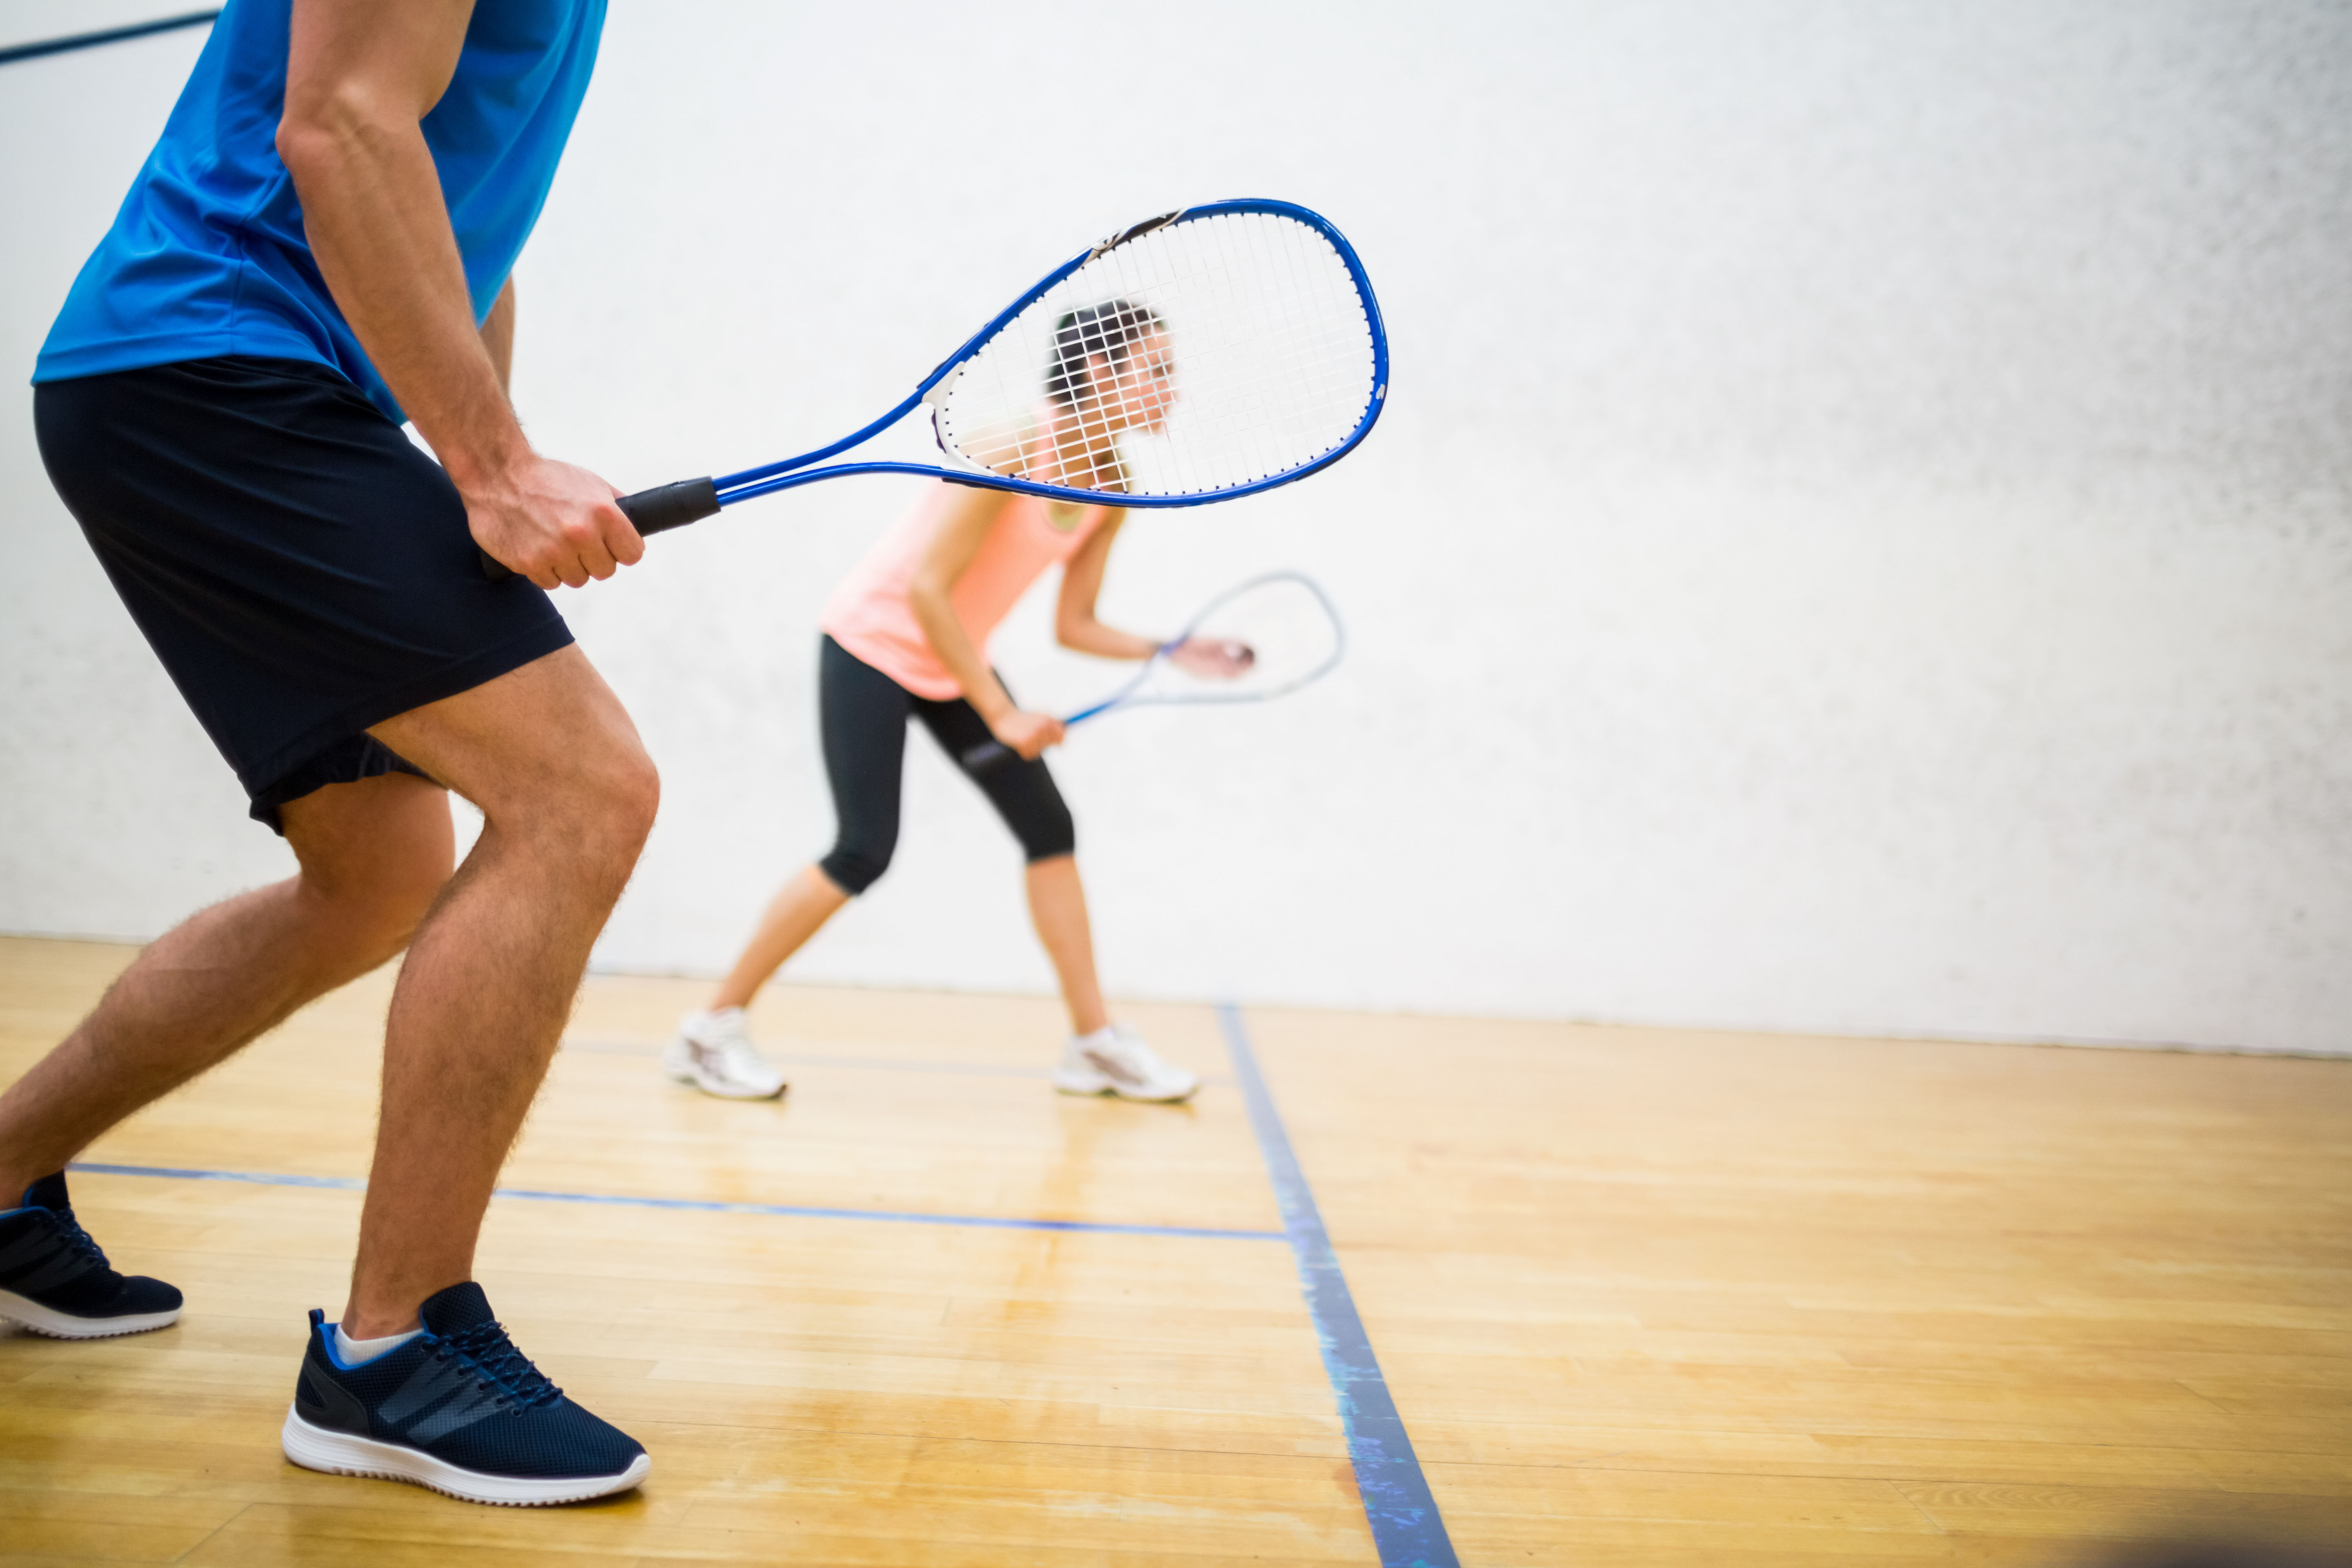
938,395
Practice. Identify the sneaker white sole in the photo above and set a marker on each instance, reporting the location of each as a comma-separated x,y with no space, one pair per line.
58,1325
688,1071
1103,1083
340,1454
727,1090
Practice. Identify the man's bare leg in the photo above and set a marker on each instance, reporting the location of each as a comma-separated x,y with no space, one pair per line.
568,795
373,856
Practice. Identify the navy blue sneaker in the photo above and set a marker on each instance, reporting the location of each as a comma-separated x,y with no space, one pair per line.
55,1280
458,1409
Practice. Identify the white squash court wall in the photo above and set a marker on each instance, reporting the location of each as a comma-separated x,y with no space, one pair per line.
1860,540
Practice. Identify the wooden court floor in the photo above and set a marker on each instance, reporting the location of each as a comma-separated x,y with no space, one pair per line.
1644,1297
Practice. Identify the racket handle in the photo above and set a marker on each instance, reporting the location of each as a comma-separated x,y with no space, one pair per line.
656,510
986,757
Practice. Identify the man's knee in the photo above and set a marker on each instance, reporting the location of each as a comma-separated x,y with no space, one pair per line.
614,795
632,792
381,913
375,855
549,756
598,816
406,887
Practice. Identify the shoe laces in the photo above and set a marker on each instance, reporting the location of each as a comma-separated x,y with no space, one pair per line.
83,1244
737,1056
741,1058
1138,1054
489,1348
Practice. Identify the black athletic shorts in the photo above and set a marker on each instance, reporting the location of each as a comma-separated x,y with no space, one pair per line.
302,569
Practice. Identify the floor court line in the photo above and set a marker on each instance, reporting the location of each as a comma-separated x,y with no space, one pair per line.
704,1205
1406,1526
873,1064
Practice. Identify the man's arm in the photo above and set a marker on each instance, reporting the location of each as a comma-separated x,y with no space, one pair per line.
359,78
497,339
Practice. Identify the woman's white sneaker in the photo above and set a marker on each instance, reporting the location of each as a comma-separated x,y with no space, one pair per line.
1115,1060
713,1051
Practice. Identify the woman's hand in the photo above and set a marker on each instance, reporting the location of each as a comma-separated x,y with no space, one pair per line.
1026,734
1213,658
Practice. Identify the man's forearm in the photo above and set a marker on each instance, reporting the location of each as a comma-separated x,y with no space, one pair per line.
360,77
372,211
497,338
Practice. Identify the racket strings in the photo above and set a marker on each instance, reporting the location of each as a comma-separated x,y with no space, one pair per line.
1300,363
1301,352
1202,356
1288,628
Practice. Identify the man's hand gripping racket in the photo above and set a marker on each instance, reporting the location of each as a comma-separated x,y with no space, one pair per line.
1257,640
1197,357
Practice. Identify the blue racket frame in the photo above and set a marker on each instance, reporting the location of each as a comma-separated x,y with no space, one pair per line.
665,507
770,477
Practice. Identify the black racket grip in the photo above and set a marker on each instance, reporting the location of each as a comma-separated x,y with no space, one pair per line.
986,757
656,510
665,507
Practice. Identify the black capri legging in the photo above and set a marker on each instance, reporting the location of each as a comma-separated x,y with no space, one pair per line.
862,716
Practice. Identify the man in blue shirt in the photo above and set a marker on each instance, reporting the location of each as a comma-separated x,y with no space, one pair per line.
319,244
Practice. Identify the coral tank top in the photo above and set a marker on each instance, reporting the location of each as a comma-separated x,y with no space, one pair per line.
870,614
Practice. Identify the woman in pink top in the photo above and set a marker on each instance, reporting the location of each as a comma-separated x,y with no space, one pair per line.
906,635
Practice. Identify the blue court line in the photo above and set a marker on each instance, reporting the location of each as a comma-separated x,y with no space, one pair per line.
110,36
700,1206
1405,1524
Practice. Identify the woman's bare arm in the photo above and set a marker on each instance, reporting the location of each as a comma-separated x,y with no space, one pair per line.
948,557
1075,625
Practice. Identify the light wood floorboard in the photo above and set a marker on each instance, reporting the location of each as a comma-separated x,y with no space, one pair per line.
1644,1296
1664,1297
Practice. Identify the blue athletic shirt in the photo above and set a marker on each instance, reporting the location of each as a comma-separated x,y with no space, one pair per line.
208,256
